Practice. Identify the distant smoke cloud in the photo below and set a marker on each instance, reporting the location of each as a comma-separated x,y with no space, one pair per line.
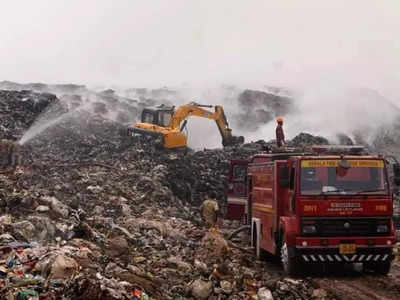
325,51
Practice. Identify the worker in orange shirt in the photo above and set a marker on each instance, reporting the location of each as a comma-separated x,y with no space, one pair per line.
280,136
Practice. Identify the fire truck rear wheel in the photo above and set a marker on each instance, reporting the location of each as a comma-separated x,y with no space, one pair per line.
290,264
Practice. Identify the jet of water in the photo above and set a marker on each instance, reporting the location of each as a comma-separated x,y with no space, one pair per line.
45,121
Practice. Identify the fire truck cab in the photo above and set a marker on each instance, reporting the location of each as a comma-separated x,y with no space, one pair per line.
333,205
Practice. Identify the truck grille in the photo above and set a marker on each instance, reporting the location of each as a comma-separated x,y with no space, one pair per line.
329,227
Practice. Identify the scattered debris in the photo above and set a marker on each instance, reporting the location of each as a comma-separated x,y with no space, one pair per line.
92,214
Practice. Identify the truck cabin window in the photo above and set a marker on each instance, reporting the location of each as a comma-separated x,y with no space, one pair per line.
239,179
321,177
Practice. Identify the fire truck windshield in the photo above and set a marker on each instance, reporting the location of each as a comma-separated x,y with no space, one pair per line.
320,177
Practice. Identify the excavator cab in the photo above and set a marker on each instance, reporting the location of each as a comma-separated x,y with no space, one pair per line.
161,115
155,122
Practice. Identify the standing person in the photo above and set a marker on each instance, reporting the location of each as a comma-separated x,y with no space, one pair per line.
280,136
210,210
8,153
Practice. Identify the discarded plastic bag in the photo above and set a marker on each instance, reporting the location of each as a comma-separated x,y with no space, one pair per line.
26,294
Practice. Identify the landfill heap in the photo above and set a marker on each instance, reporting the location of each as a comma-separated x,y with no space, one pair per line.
249,109
256,108
19,110
92,214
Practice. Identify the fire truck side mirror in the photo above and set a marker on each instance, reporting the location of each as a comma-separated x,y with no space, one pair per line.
396,173
250,182
284,178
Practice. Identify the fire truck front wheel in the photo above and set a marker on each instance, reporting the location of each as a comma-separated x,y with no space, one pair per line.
381,268
291,265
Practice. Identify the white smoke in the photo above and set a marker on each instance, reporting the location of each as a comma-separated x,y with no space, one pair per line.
324,51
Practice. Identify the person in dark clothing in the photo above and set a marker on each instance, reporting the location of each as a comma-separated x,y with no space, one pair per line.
280,136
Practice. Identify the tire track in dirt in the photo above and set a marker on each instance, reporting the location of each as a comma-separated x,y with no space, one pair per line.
363,286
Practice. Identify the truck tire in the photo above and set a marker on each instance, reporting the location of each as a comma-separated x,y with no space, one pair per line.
291,265
254,239
381,268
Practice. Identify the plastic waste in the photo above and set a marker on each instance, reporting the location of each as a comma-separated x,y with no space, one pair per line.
27,294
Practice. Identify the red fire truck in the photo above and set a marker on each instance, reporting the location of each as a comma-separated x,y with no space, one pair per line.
333,205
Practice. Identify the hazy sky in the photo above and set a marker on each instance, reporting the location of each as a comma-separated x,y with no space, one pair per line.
143,43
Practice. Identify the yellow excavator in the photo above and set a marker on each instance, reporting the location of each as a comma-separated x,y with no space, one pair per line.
164,124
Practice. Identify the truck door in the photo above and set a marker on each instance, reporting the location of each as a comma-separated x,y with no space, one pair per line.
284,193
292,192
237,190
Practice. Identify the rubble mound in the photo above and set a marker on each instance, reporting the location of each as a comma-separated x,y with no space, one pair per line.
94,214
260,107
43,88
19,109
304,140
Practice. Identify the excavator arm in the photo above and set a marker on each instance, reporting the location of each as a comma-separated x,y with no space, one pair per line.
195,109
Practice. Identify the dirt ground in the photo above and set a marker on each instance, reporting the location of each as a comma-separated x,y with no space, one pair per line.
356,285
349,282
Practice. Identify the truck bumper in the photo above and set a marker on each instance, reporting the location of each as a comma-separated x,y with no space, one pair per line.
332,255
328,250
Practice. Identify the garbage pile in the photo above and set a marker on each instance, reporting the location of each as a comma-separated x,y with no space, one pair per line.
305,140
107,103
19,110
261,107
42,87
93,214
159,258
249,109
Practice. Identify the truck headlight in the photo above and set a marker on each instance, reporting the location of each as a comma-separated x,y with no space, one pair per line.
309,229
382,228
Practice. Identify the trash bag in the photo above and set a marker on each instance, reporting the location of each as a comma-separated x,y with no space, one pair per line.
26,294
